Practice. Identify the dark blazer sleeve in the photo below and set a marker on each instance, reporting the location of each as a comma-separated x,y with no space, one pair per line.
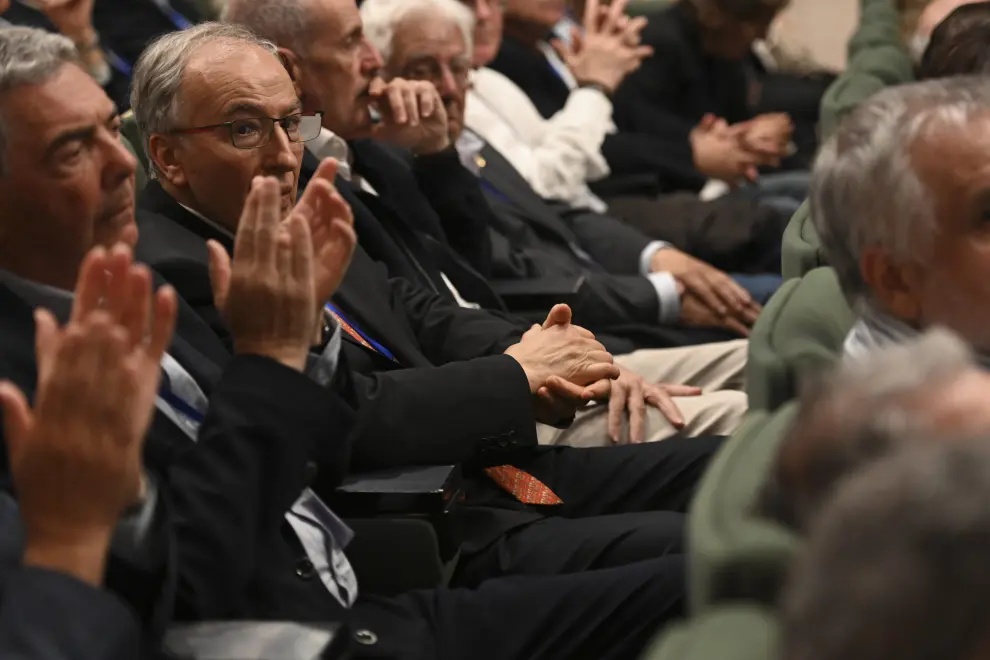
45,615
614,244
249,465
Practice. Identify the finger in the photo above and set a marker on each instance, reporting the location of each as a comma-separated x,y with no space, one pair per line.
18,419
591,13
751,313
137,306
559,315
409,98
636,405
563,51
91,283
600,390
613,19
634,29
702,288
681,390
118,282
600,370
397,105
46,344
301,253
731,291
617,411
219,273
162,323
326,171
427,99
735,326
244,241
266,228
665,404
566,389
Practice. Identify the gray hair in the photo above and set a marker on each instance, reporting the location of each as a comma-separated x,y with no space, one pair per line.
284,22
865,191
859,412
382,16
157,81
896,566
29,56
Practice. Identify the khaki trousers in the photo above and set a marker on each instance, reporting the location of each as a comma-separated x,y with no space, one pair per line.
716,368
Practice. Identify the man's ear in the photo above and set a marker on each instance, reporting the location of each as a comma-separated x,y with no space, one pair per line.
162,152
896,286
291,63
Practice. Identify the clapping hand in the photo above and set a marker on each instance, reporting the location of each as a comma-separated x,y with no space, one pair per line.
75,456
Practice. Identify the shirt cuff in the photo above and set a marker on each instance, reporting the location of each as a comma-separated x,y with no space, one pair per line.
670,299
133,538
646,257
324,366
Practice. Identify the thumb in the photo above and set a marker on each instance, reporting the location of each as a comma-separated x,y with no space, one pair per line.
219,274
563,51
559,315
18,420
46,335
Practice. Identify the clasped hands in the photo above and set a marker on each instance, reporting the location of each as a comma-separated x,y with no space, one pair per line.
734,153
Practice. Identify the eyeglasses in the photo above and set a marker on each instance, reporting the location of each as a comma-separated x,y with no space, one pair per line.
431,70
257,132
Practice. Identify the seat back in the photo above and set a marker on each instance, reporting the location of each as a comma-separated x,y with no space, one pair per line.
135,143
736,554
731,632
801,250
800,333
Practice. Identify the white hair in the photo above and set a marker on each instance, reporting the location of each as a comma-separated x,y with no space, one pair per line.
29,56
866,192
157,81
382,16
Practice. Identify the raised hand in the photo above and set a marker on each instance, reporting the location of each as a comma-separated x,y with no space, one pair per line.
412,115
267,294
609,48
76,455
73,18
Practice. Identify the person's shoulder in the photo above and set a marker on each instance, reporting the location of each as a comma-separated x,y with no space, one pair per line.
667,27
163,240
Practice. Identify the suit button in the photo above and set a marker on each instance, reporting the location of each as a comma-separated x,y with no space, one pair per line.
305,569
365,637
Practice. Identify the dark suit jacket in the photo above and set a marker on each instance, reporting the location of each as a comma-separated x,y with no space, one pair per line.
641,161
45,615
129,26
226,548
117,88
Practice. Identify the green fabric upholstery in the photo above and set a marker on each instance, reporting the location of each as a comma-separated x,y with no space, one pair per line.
877,59
141,175
798,334
736,555
736,632
800,250
129,129
645,7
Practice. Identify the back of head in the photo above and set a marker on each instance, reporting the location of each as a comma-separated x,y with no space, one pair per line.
926,20
740,10
960,45
896,567
858,413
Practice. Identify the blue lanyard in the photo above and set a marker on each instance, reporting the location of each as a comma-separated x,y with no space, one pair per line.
495,192
118,62
178,20
333,309
172,399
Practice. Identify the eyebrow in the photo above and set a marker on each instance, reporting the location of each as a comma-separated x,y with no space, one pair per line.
77,134
258,111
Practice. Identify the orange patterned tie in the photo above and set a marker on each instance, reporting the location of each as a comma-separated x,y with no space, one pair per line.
523,486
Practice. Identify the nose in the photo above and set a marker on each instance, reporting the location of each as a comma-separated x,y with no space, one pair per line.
120,163
483,10
447,83
281,154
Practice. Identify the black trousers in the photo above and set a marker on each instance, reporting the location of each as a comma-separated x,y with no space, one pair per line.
621,505
735,233
598,615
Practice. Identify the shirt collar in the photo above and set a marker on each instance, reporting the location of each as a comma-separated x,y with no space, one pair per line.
469,146
330,145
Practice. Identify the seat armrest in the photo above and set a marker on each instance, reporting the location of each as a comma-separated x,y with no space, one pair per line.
258,640
538,295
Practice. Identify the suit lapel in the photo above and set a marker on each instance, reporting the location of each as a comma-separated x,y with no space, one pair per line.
503,177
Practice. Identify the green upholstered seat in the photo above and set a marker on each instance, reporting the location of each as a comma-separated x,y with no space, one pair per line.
735,554
135,143
732,632
799,333
801,250
141,176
